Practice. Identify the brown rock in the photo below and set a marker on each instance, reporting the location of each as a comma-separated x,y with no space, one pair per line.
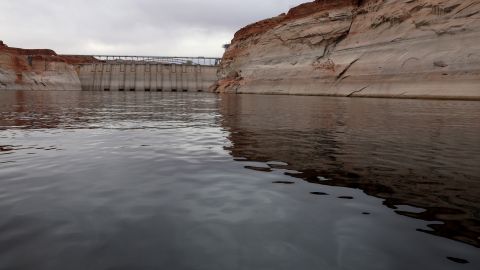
37,69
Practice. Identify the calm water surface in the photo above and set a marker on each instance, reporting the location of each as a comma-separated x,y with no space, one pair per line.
199,181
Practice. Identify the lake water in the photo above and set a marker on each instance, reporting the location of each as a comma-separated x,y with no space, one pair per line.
201,181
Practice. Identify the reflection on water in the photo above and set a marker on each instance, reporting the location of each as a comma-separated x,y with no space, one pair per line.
420,153
198,181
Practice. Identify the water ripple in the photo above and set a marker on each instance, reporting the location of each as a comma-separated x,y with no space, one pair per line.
199,181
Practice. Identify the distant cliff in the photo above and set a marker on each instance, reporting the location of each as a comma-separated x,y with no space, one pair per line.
373,48
22,69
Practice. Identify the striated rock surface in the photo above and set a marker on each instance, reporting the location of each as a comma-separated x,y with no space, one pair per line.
22,69
370,48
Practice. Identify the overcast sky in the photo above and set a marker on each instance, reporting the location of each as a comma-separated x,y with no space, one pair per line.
131,27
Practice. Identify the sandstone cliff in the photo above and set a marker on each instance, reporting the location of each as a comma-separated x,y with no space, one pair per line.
376,48
22,69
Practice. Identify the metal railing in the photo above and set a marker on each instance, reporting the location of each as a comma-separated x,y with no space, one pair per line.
203,61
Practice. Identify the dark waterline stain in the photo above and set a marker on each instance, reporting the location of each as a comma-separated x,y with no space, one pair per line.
259,169
458,260
319,193
284,182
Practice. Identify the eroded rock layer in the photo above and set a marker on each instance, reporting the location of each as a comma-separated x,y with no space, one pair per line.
22,69
375,48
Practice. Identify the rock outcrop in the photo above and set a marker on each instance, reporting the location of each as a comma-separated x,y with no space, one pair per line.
22,69
369,48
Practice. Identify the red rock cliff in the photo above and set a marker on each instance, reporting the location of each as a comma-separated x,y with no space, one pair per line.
415,48
38,69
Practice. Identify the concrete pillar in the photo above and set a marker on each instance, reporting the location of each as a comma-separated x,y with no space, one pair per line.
149,70
166,78
98,77
106,77
155,75
122,77
94,77
190,79
140,77
184,78
130,74
208,76
174,77
116,77
160,77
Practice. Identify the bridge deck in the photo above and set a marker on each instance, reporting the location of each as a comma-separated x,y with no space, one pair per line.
203,61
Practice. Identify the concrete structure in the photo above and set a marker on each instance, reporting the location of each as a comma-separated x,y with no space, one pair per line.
132,73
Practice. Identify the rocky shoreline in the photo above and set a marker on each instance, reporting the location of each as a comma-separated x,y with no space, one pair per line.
352,48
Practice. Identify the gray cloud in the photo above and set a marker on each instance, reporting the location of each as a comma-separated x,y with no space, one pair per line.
131,27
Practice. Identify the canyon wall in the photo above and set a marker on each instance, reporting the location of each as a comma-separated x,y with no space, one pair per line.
369,48
22,69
